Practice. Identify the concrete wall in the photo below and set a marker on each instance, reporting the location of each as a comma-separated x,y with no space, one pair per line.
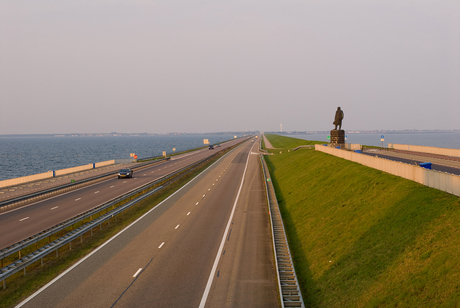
443,181
424,149
105,163
25,179
49,174
353,146
74,169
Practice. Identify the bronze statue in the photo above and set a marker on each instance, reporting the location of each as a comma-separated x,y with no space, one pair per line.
338,118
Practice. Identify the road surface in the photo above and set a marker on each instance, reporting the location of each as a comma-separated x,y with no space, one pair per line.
23,222
208,245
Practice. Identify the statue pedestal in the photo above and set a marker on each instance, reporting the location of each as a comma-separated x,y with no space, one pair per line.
337,137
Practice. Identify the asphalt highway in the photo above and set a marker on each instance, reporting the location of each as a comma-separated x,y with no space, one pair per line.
207,245
23,222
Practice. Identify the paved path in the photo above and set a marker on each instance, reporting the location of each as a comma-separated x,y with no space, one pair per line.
268,145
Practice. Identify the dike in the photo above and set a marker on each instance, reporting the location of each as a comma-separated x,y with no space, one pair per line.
364,238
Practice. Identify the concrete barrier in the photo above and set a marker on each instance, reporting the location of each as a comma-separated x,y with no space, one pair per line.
447,182
105,163
425,149
50,174
26,179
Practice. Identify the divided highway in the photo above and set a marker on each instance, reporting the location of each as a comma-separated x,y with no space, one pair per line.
207,245
20,223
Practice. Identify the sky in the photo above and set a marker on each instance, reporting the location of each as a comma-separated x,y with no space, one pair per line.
94,66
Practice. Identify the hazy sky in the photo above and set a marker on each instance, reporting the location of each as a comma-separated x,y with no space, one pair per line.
207,66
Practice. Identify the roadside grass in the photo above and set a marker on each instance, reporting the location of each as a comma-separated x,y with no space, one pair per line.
20,286
363,238
282,142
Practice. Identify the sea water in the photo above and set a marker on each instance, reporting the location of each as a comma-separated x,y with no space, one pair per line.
22,156
441,140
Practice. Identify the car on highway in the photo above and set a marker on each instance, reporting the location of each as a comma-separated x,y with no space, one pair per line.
211,147
125,173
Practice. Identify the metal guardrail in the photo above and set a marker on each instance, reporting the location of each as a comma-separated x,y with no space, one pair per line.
290,293
33,257
69,222
44,193
37,255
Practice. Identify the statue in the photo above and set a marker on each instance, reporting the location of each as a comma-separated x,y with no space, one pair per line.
338,118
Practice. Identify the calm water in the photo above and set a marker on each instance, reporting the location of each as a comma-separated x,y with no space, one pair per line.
21,156
440,140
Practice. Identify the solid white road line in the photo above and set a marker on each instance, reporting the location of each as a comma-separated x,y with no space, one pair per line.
219,253
161,245
112,238
137,273
23,219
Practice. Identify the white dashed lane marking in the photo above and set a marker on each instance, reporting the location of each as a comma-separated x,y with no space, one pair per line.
176,227
24,219
161,245
53,208
137,273
77,199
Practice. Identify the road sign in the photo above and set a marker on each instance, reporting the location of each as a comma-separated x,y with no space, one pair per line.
328,137
382,136
174,149
164,153
205,141
135,156
382,139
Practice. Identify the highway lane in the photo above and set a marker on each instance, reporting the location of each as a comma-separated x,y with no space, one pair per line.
165,258
23,222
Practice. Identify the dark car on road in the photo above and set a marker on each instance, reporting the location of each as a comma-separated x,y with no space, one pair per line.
125,173
211,147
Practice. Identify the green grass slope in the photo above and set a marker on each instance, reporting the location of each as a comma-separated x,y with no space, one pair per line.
283,142
363,238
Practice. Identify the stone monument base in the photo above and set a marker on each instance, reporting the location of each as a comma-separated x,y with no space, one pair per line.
337,137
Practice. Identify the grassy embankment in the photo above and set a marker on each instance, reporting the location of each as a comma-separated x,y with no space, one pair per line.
364,238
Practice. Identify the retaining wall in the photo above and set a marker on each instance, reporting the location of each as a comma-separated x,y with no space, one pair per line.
49,174
447,182
425,149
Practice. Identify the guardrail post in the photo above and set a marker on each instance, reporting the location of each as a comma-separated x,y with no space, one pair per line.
81,238
57,252
4,285
19,254
70,245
